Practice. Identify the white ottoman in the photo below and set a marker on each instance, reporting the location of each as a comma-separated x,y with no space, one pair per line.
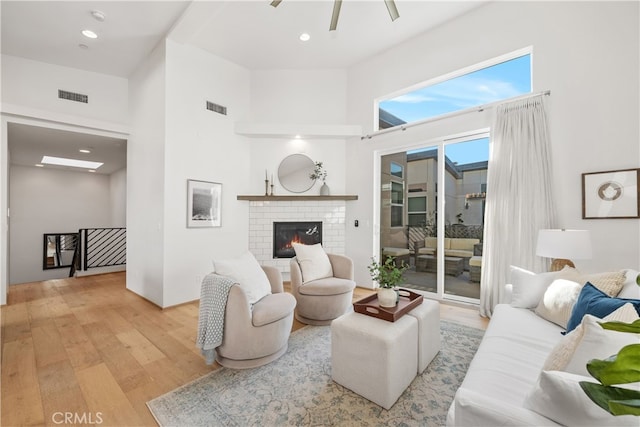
428,315
374,358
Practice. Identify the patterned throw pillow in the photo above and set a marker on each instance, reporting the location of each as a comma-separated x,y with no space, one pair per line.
610,282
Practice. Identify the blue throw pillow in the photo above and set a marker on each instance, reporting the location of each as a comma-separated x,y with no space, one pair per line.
595,302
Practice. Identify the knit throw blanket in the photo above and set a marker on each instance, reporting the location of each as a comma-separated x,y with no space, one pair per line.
213,301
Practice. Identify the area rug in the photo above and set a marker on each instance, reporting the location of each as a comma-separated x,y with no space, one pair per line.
297,389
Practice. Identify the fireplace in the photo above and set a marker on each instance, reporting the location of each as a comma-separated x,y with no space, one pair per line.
287,233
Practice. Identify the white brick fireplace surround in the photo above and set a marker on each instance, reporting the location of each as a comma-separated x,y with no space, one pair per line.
262,215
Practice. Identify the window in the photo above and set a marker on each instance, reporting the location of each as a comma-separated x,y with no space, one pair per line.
498,79
417,211
396,170
397,204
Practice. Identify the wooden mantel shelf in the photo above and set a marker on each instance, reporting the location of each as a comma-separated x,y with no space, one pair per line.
297,198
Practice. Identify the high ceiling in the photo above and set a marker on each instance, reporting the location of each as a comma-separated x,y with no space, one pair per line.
252,34
50,31
259,36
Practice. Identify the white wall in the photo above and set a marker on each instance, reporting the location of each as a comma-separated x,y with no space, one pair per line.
35,85
587,54
118,198
145,178
298,97
202,145
50,201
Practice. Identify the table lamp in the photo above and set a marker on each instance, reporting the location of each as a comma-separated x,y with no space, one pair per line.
563,244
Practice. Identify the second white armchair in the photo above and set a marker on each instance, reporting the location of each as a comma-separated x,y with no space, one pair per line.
324,299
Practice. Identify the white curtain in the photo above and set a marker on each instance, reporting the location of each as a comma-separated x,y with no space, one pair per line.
519,195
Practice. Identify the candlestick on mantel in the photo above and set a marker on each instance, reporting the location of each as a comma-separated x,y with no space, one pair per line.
266,187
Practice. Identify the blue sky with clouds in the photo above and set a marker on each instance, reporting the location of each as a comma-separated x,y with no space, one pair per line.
501,81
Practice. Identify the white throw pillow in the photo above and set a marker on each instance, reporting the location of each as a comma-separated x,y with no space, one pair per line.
557,301
313,261
558,396
563,351
597,343
529,287
248,273
630,289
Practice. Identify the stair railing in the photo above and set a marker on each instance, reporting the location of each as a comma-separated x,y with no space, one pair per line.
100,247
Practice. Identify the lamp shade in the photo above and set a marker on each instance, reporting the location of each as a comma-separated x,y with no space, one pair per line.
560,243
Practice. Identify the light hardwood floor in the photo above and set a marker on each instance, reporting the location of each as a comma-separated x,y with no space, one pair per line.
88,351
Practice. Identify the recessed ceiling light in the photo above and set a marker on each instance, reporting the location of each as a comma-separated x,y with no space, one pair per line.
84,150
305,37
61,161
92,170
98,15
89,34
38,165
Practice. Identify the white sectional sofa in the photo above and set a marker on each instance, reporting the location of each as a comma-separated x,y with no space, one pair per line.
508,364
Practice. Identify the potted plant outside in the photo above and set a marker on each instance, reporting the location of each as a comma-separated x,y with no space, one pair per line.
388,275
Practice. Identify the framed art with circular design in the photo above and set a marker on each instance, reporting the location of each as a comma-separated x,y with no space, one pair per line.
611,194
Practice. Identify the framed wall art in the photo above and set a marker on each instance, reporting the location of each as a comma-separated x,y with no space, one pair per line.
203,204
611,194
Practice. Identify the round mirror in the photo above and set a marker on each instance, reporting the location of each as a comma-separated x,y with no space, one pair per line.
294,171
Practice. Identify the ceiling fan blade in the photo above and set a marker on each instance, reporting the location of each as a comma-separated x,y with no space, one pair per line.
393,10
275,3
336,13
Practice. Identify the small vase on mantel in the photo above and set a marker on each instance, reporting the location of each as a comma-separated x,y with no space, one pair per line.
387,297
324,190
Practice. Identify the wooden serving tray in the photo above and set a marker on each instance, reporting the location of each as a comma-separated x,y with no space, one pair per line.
370,306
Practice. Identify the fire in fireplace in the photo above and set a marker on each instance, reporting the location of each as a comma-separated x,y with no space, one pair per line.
287,233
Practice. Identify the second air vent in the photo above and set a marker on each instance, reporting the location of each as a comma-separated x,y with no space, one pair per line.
217,108
71,96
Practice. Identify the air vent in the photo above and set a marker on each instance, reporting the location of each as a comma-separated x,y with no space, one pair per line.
71,96
216,108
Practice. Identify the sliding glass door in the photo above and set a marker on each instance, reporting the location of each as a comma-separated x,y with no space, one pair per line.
465,175
432,203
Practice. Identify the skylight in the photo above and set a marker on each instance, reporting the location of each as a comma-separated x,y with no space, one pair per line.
61,161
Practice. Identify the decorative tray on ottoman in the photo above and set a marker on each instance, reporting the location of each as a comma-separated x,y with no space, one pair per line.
369,305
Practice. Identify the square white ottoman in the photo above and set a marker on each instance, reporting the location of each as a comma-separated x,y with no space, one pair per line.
374,358
428,316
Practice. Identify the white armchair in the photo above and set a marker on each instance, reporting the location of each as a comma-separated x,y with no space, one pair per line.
254,336
322,300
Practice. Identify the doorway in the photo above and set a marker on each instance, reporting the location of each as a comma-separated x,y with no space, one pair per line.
48,198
